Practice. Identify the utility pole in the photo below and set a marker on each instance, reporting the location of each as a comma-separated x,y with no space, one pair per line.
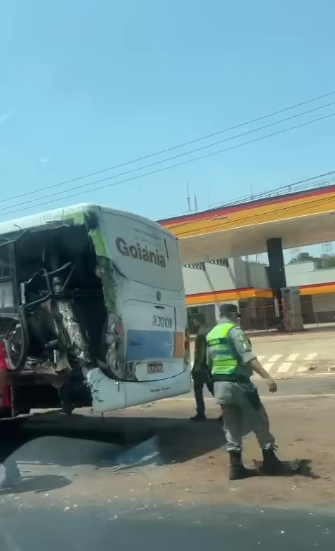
327,248
188,198
247,256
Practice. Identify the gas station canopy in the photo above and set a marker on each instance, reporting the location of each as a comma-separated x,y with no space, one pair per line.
299,219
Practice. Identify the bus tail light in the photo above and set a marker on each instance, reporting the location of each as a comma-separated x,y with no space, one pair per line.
187,349
118,329
179,344
116,346
187,339
3,357
5,401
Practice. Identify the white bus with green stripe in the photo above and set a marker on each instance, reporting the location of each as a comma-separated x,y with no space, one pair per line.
92,310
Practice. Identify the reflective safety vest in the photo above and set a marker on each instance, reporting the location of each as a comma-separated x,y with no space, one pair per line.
223,361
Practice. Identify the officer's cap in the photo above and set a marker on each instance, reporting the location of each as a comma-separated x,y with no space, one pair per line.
226,310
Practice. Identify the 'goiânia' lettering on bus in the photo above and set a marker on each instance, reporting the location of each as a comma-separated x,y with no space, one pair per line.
141,253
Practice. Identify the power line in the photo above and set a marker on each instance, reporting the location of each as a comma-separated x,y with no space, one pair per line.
246,199
253,217
90,184
191,217
167,150
176,164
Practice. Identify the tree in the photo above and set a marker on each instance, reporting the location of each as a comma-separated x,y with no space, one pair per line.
302,257
328,261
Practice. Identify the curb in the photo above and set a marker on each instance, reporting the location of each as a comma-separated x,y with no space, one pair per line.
326,374
304,376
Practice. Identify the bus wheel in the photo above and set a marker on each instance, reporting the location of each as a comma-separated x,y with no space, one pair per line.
66,398
67,409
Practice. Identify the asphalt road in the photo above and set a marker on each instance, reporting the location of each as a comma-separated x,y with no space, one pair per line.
68,501
297,386
164,528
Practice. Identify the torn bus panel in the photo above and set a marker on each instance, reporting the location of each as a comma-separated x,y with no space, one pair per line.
58,308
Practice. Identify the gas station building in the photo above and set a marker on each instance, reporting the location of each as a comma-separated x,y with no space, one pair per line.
212,243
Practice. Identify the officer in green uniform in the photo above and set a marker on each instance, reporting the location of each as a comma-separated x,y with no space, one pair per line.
232,363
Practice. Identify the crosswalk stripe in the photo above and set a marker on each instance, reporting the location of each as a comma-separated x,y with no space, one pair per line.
292,357
275,357
268,366
311,356
284,367
280,363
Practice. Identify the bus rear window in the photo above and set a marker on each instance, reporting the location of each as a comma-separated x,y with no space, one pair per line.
142,252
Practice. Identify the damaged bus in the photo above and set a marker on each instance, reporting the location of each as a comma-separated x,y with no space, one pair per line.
92,311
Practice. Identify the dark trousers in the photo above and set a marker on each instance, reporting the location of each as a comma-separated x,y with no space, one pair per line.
200,379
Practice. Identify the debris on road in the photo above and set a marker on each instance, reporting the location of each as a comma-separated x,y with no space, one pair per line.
167,459
322,366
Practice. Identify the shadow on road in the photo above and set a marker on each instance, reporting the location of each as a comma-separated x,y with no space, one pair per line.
81,440
118,443
37,484
298,467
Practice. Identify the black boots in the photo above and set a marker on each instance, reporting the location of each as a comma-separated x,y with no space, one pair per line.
199,417
237,469
272,466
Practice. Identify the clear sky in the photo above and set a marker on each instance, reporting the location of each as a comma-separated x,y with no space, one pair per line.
87,85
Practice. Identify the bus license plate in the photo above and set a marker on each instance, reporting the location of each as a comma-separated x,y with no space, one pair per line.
155,367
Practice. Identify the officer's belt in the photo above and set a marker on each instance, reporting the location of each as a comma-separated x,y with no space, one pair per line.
232,378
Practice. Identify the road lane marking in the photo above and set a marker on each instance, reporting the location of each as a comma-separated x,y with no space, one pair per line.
292,357
267,397
260,358
268,366
284,367
308,357
294,396
275,358
311,356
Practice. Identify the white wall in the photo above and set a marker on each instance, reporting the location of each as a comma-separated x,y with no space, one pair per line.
258,276
240,271
196,281
323,303
303,273
239,275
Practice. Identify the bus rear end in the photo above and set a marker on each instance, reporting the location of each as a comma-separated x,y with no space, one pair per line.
151,304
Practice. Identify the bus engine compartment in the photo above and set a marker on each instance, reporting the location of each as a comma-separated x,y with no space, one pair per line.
53,315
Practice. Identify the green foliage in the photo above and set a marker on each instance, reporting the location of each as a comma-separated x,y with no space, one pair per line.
320,263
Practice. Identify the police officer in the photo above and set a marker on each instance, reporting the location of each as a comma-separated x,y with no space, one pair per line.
232,363
200,372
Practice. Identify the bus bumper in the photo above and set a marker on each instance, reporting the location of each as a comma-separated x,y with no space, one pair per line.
108,394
